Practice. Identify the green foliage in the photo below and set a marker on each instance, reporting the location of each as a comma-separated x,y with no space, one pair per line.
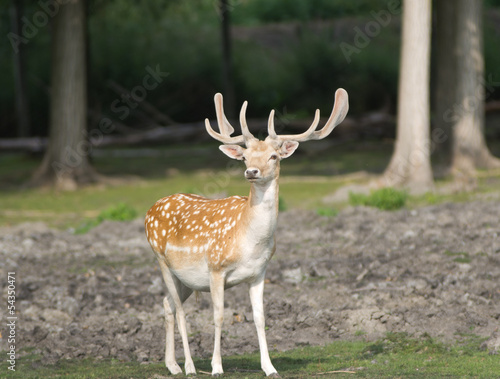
299,70
119,212
385,199
263,11
492,3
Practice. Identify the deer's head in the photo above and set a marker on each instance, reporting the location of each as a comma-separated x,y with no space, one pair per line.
262,158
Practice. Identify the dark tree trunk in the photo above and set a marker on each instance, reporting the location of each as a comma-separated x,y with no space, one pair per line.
446,74
22,103
227,64
66,161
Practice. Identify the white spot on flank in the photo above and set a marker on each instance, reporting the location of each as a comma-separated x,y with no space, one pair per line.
163,232
156,223
183,249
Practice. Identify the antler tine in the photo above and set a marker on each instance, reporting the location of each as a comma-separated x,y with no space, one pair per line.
225,127
340,108
244,127
270,126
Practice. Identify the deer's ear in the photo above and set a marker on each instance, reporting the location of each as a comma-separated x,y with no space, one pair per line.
233,151
288,148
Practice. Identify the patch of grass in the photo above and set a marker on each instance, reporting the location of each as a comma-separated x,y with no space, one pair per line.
396,355
460,257
281,204
118,212
385,199
327,212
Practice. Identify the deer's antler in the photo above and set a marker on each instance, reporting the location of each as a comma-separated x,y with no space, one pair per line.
339,112
226,128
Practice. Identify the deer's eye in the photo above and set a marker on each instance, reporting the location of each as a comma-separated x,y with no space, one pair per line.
273,157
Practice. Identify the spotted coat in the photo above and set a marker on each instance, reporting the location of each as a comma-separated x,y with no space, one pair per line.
184,228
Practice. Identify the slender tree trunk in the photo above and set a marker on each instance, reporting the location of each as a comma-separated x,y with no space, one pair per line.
227,63
445,80
22,103
66,163
410,164
469,146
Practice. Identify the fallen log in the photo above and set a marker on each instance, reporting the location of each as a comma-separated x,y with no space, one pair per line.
371,126
175,133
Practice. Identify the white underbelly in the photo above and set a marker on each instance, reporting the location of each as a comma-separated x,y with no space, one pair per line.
247,272
197,278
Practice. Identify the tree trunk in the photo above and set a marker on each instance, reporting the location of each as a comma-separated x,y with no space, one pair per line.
227,64
445,80
22,104
66,161
410,164
469,146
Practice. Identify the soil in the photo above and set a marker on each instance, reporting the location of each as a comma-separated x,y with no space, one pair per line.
433,270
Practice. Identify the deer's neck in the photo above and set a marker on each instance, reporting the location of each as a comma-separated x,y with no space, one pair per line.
262,210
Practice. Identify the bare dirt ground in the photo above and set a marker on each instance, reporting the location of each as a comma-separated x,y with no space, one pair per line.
360,274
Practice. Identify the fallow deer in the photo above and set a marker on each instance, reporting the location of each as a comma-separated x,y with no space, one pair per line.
209,245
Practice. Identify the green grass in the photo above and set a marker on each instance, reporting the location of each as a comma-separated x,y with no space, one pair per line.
386,199
460,257
118,212
327,212
396,355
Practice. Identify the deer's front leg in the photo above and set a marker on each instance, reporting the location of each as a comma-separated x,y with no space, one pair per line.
217,292
257,300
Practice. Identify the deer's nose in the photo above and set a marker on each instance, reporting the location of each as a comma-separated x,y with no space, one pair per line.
252,173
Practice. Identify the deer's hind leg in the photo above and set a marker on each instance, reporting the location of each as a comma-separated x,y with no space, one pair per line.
172,303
